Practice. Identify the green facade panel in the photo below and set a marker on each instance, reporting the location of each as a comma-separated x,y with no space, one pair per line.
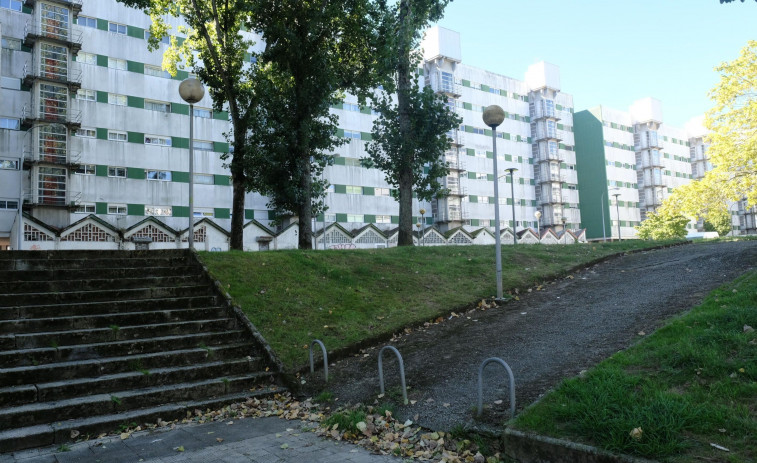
222,180
340,189
181,211
249,214
221,115
180,177
592,174
101,208
179,108
341,217
135,209
365,136
222,213
102,24
136,32
365,109
102,134
135,102
395,219
101,171
181,75
369,218
135,137
220,147
102,61
134,66
102,97
368,191
135,173
180,142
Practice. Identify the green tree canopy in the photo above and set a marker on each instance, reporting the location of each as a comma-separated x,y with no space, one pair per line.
662,225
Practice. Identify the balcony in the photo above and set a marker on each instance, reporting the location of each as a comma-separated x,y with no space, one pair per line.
453,161
61,157
552,178
74,5
66,36
71,77
456,138
32,115
443,83
44,198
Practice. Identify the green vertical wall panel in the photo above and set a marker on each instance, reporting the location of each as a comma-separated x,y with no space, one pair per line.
102,97
369,218
135,209
101,208
179,108
102,24
592,174
222,180
102,134
181,211
102,61
395,219
249,214
365,136
135,173
135,137
181,75
365,109
368,191
222,213
340,189
136,32
220,147
134,66
340,133
180,177
221,115
467,106
470,151
135,102
101,171
341,217
179,142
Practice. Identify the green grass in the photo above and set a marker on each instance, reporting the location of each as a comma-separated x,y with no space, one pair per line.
691,383
346,420
347,296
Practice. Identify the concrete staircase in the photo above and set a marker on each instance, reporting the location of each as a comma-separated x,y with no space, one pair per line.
90,341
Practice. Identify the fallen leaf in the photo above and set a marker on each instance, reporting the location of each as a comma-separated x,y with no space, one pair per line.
636,433
284,446
74,434
720,447
219,439
125,435
180,448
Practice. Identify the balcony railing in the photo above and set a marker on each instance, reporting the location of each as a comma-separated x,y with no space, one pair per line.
71,76
68,36
75,5
62,157
31,115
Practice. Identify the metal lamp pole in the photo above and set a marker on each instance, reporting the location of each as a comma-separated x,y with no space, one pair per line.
617,208
512,193
423,225
493,117
602,205
537,214
191,91
564,231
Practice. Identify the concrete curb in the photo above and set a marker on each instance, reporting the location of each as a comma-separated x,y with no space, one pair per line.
534,448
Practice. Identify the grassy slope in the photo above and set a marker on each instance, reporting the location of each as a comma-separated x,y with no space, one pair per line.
346,296
691,383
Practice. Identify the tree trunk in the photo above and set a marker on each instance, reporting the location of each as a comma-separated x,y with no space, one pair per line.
237,204
405,236
305,212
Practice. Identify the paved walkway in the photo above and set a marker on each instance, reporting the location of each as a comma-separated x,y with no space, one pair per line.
256,440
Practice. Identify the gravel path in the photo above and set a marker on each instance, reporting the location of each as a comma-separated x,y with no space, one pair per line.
547,336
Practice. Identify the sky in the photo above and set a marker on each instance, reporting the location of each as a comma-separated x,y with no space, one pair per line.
610,52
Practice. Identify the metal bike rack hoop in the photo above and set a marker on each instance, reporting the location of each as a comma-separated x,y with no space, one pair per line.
402,370
481,384
325,358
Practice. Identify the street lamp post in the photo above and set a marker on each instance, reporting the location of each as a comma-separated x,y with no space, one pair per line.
617,208
564,231
493,117
602,205
191,91
537,214
423,225
512,193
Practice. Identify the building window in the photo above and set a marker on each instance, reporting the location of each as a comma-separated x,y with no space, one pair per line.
481,176
164,175
165,40
350,107
54,21
355,218
201,212
86,133
11,44
86,58
381,191
159,106
116,136
85,208
53,101
86,95
354,190
203,179
156,71
383,219
117,63
117,28
119,172
8,164
154,140
117,209
14,5
203,113
51,187
10,205
85,169
87,21
164,211
202,145
8,123
116,99
352,134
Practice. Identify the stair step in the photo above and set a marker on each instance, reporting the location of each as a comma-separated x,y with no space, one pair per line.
117,333
96,282
68,297
21,357
92,262
86,273
80,387
106,307
107,320
60,432
112,365
79,407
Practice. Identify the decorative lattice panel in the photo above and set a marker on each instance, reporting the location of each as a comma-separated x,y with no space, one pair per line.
201,234
89,232
157,235
460,238
33,234
393,239
433,238
336,237
370,237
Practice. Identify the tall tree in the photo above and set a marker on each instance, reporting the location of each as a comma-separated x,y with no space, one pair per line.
315,51
413,133
217,52
662,225
733,144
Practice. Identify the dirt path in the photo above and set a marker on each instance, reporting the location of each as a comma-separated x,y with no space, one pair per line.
545,337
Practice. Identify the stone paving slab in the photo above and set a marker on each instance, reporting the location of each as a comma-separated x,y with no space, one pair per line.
249,440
